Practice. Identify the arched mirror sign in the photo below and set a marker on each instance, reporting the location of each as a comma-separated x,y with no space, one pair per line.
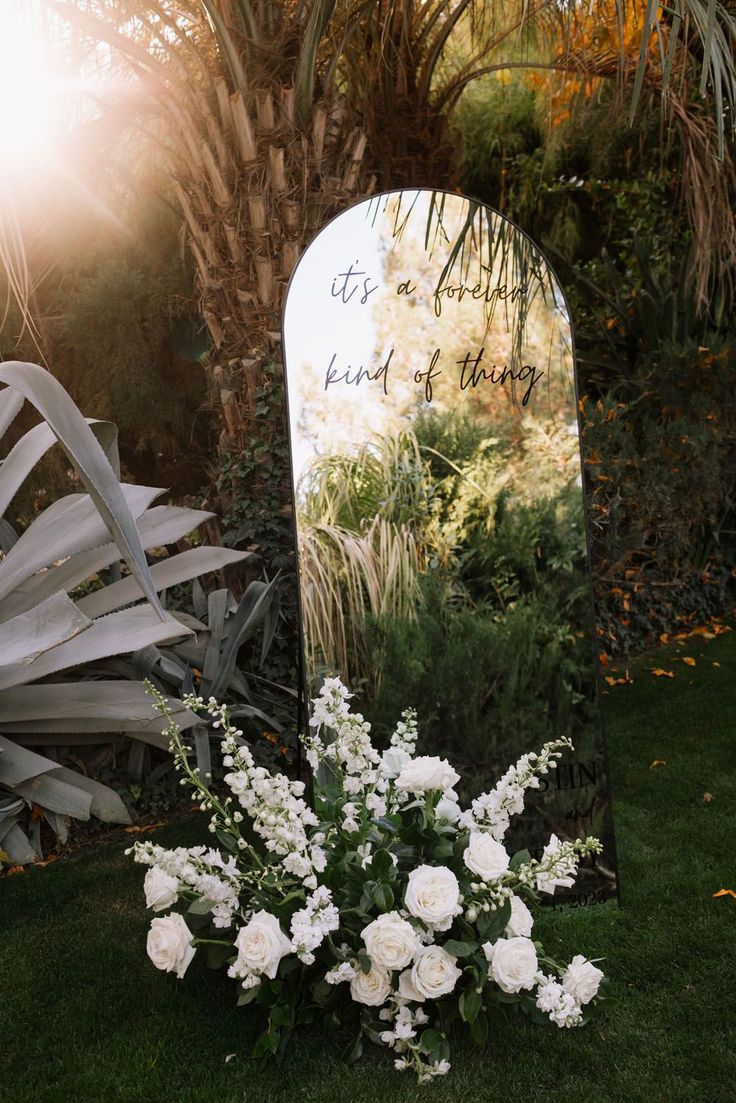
439,502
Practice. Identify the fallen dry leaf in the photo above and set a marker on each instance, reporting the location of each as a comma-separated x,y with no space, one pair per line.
715,663
626,680
708,798
725,892
13,870
689,660
47,861
657,762
138,830
659,673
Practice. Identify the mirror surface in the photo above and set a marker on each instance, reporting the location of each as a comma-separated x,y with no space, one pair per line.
437,482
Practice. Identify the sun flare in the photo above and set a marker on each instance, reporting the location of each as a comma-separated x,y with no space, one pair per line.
29,92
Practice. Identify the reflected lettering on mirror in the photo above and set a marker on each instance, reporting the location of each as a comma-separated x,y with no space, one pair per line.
439,504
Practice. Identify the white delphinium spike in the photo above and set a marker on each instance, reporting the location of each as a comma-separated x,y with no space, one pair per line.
492,811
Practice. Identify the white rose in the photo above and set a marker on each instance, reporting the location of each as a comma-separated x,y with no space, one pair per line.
393,761
434,973
521,922
513,963
261,944
448,809
422,774
161,889
169,944
486,857
407,991
433,895
390,941
582,979
372,988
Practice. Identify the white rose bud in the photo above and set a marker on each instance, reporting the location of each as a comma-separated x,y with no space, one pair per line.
433,895
372,988
486,857
390,941
582,979
161,889
423,774
448,809
261,944
434,973
169,944
513,963
521,922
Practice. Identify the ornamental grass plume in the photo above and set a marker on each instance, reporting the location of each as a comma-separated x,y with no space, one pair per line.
384,904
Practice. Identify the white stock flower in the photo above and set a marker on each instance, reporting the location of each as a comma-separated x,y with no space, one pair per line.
169,944
521,922
433,895
161,889
261,944
340,973
434,973
426,773
582,979
513,963
390,941
371,988
486,857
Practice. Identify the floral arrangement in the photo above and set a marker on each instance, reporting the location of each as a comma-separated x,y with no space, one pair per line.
382,904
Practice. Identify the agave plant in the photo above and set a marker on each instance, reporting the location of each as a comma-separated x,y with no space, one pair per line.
46,630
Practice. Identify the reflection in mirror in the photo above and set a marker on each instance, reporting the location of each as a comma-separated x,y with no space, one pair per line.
437,480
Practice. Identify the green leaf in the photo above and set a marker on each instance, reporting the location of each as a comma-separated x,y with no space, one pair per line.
492,924
353,1052
381,863
459,949
479,1030
202,906
470,1003
247,995
218,956
383,896
431,1041
365,963
519,859
443,849
281,1015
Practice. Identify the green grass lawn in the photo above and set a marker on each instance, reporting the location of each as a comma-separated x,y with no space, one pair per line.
84,1016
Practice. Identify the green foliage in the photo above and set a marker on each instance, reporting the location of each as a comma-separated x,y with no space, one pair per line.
661,468
508,678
